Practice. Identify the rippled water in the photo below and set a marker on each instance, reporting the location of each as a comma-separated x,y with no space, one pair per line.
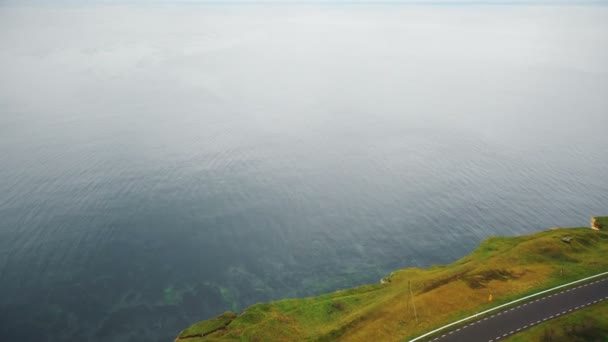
159,165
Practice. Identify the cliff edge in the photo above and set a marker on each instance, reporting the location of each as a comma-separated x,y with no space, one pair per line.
417,300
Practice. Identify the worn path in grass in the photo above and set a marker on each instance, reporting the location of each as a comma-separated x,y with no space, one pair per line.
527,315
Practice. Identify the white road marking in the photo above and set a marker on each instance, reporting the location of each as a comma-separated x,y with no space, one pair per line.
522,305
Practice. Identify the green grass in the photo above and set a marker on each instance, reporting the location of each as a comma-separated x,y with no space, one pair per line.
204,328
589,324
506,268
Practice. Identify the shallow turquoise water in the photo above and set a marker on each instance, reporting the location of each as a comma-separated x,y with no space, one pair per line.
159,165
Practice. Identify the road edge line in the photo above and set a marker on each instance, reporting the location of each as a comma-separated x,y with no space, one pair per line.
506,304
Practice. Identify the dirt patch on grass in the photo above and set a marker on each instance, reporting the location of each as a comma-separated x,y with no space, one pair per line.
481,279
336,306
587,330
477,280
429,286
556,253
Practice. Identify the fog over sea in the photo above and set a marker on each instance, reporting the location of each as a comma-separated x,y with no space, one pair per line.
161,164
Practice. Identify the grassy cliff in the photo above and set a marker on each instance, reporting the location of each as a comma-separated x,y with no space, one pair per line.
412,301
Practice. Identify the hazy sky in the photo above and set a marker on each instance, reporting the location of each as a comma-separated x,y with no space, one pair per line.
268,59
416,2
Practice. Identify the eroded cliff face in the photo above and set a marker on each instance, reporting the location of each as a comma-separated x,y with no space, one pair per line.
599,223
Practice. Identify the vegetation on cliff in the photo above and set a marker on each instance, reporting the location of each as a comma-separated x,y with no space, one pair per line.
412,301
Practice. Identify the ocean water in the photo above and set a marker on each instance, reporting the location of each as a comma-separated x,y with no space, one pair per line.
162,164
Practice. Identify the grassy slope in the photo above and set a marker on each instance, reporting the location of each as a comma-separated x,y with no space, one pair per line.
506,268
590,324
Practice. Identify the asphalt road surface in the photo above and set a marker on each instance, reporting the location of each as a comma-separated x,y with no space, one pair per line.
513,320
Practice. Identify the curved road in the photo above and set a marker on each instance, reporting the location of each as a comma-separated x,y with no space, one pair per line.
513,320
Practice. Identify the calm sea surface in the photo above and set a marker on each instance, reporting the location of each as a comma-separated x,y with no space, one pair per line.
160,165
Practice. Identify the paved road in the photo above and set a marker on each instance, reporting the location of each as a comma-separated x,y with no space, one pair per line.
513,320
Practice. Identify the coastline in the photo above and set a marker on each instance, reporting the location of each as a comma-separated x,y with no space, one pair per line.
412,301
